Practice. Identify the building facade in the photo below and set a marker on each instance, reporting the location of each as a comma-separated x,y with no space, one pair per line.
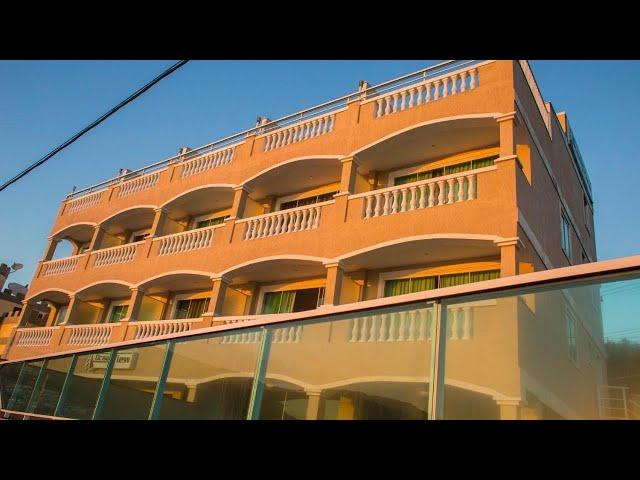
456,174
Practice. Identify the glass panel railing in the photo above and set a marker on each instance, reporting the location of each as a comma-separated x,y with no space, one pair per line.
47,393
83,386
211,377
133,381
364,366
563,351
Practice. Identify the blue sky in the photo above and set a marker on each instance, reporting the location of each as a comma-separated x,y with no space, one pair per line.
43,102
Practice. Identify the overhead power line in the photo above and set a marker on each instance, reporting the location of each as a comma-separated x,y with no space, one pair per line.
97,122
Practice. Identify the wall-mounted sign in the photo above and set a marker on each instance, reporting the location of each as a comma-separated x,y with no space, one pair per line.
124,360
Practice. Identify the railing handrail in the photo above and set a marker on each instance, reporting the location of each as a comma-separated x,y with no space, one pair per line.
424,182
302,115
193,230
288,210
92,252
53,260
167,320
36,329
90,325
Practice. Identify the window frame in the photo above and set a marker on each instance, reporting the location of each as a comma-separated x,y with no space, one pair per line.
564,221
425,167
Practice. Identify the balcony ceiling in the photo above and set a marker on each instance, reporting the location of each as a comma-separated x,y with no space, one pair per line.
276,271
135,219
430,142
179,282
295,177
104,291
421,252
200,202
78,233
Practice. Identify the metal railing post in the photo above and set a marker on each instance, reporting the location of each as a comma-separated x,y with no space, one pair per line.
156,403
257,388
97,411
438,346
65,386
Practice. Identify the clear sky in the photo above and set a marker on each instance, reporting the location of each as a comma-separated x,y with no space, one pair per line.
43,102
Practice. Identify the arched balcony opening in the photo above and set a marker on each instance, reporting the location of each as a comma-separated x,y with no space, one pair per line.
433,150
274,285
174,296
130,226
70,241
56,301
202,207
289,197
418,263
106,302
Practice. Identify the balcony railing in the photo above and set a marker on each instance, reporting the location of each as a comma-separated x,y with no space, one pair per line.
429,193
427,91
208,161
185,241
94,334
297,133
34,337
284,221
114,255
59,266
162,327
139,184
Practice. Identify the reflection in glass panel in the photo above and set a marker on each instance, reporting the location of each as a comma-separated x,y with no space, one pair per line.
24,386
211,378
8,377
45,397
545,353
133,382
84,386
370,366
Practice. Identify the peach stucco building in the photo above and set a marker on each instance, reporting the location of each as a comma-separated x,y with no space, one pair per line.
455,174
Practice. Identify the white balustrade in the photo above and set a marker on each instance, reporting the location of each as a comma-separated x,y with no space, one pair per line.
186,241
284,221
113,255
423,194
428,91
94,334
208,161
59,266
83,202
411,325
139,184
278,335
404,326
34,337
162,327
297,133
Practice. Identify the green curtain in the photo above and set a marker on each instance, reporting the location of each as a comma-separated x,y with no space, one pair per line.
484,162
486,275
278,302
423,283
460,167
397,287
454,279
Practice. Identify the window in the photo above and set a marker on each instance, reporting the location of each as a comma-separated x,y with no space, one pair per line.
192,308
419,284
118,312
292,300
571,338
566,236
324,197
448,170
211,221
60,315
139,235
588,216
